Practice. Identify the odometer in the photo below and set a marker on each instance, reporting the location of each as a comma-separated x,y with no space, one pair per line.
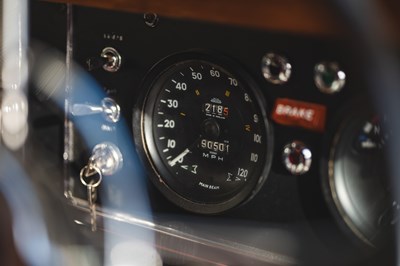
205,133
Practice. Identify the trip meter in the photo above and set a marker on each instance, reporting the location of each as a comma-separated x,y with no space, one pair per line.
204,132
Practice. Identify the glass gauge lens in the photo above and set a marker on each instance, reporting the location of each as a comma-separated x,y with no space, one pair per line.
206,135
359,180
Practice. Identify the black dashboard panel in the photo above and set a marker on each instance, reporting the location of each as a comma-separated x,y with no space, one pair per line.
294,206
142,47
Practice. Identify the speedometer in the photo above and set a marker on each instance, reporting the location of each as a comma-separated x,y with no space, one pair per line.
205,133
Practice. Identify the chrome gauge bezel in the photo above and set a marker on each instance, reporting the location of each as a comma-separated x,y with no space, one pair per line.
355,217
143,117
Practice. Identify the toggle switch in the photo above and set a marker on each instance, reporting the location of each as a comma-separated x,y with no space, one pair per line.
110,60
109,108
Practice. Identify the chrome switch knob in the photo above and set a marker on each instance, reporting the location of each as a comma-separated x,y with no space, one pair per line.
107,157
109,108
297,158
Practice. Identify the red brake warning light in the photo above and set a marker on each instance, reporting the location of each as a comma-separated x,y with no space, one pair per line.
297,113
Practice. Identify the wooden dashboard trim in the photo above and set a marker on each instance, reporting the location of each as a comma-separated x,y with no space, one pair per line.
313,17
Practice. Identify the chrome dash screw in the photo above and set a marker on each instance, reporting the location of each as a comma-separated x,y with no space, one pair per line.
275,68
329,78
151,19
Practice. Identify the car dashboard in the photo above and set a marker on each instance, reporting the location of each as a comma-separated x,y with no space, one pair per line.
210,133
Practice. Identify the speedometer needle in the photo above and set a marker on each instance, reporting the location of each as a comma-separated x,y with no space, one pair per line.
177,158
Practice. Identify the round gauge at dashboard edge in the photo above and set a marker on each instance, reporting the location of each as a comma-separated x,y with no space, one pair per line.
204,132
354,178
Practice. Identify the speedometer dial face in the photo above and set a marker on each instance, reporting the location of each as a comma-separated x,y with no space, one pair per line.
206,136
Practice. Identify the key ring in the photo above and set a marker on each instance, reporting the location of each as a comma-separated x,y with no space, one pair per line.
88,171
